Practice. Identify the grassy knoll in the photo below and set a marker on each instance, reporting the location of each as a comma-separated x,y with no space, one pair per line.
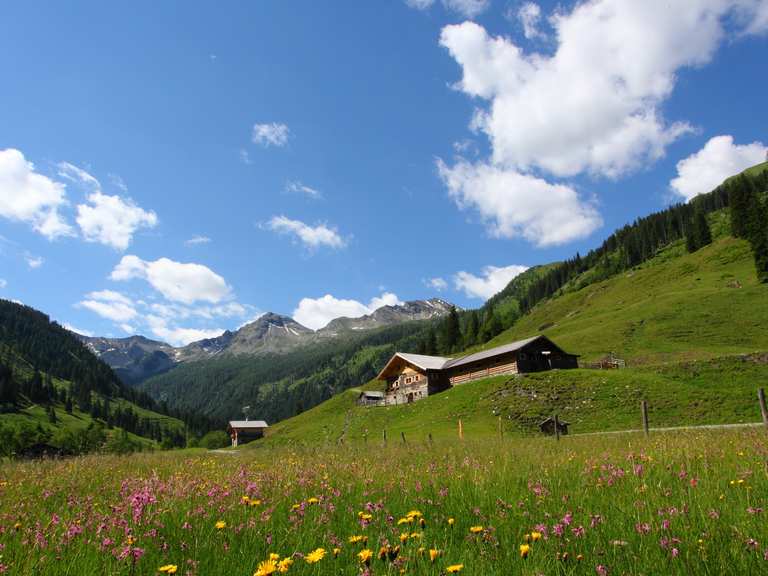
684,503
676,306
715,391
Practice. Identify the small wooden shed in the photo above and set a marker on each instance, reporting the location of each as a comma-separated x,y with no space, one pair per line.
242,431
548,426
370,398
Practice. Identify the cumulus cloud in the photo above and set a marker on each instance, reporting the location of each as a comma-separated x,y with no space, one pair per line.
30,197
196,240
271,134
438,284
317,312
3,283
297,187
492,280
717,160
310,236
529,15
110,305
176,335
467,8
34,262
515,204
177,281
112,220
591,106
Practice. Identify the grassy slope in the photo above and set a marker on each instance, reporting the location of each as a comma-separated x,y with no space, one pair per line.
673,307
679,319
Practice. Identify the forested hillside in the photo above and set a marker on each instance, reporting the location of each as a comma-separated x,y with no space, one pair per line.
56,395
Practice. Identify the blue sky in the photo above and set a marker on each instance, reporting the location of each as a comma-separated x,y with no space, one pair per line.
175,169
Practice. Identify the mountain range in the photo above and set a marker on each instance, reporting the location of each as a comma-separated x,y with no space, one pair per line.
137,358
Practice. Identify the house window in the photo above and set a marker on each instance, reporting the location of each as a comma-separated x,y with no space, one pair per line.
408,380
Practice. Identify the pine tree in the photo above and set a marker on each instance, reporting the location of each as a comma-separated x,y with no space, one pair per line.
450,336
470,329
68,404
430,342
741,199
51,414
491,326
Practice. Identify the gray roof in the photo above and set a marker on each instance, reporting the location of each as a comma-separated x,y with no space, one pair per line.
248,424
372,393
425,362
491,352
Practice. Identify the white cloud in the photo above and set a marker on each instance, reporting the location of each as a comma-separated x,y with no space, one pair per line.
76,174
271,134
317,312
420,4
529,15
717,160
111,220
127,328
245,158
593,105
118,182
176,335
438,284
77,330
195,240
467,8
492,281
110,305
179,282
34,262
27,196
3,283
514,204
311,236
295,186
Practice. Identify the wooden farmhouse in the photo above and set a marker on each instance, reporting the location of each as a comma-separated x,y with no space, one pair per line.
242,431
411,377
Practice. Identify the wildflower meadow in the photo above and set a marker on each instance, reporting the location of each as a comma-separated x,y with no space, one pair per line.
683,503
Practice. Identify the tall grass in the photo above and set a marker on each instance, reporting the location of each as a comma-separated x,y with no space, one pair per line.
689,503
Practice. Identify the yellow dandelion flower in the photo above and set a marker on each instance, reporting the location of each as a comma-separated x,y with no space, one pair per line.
274,556
315,556
421,551
284,564
220,525
336,552
476,529
433,554
525,549
535,536
403,536
358,539
453,568
129,541
295,506
415,535
365,556
168,569
364,516
266,568
245,499
255,502
414,514
451,521
313,500
405,520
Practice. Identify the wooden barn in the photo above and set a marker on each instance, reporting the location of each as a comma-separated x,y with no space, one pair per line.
242,431
411,377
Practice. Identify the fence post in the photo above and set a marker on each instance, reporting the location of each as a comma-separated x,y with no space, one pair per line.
763,410
385,436
461,431
644,412
430,437
402,435
557,428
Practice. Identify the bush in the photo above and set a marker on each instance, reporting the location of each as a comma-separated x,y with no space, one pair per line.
215,439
